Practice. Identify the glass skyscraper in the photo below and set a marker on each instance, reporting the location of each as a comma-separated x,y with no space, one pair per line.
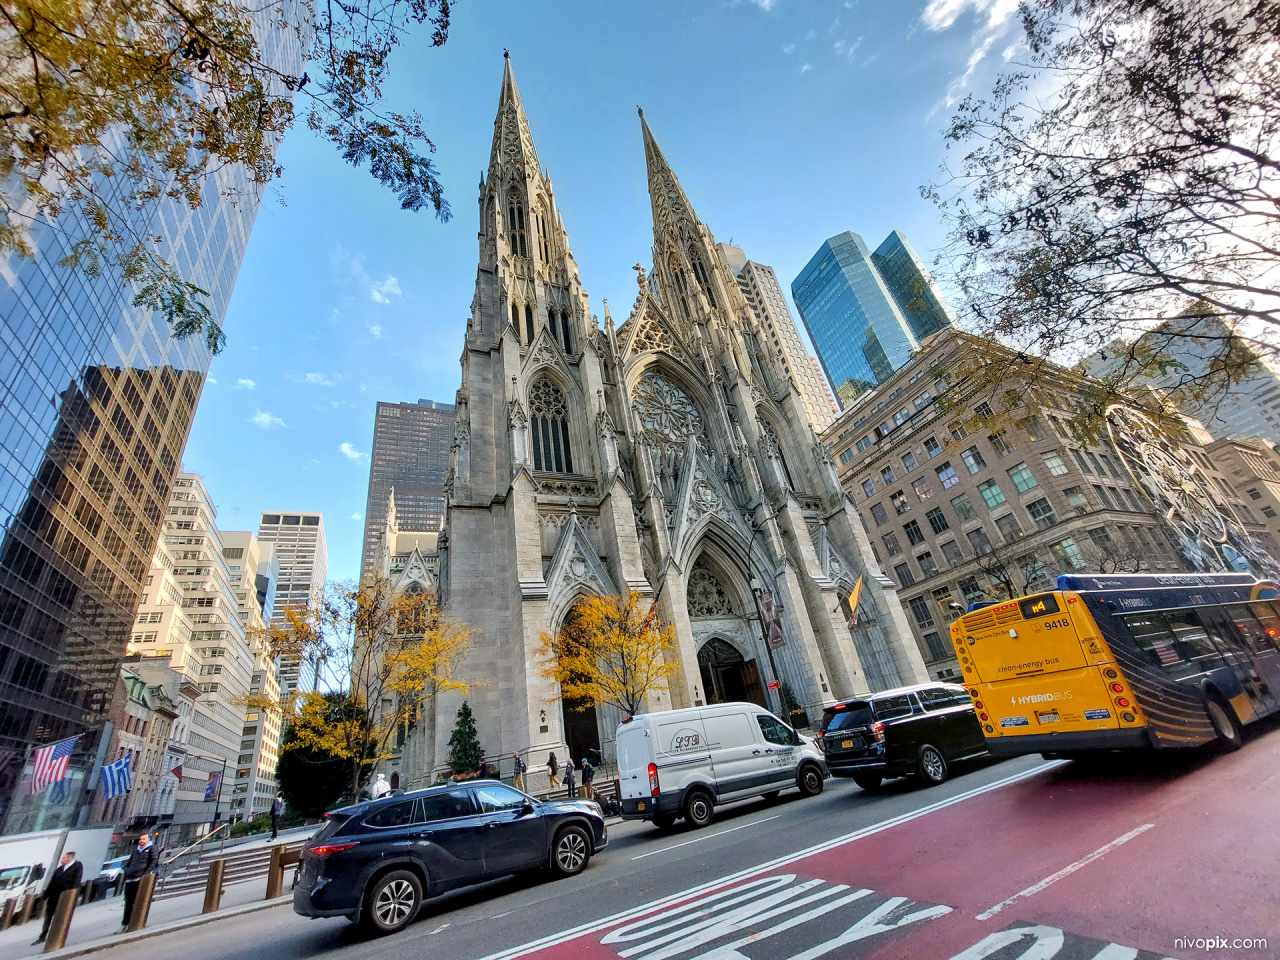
96,403
866,312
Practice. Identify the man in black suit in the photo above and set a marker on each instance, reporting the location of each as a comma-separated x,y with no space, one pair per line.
66,876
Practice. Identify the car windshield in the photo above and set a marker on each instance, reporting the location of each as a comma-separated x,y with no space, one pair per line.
11,877
856,714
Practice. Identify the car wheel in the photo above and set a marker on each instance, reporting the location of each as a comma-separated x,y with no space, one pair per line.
699,809
1225,724
570,851
932,766
810,780
664,821
392,902
868,781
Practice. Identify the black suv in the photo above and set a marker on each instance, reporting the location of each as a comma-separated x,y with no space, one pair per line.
376,862
910,730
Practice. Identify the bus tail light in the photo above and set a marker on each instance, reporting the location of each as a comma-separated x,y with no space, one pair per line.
654,789
982,716
978,704
1127,717
877,728
1118,687
1122,701
1111,674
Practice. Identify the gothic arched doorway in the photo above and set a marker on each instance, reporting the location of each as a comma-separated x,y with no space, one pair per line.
581,725
727,676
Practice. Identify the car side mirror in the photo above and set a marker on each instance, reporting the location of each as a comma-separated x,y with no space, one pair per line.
526,809
795,739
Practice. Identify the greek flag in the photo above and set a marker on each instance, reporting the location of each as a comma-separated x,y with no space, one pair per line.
116,778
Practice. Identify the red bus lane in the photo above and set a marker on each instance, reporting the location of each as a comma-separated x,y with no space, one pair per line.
1129,862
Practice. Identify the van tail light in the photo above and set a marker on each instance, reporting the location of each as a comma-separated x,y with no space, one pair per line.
331,849
654,789
877,728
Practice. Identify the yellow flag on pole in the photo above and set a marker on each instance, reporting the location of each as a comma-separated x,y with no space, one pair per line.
853,602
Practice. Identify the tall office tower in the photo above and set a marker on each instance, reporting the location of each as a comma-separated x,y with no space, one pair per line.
254,570
188,620
96,400
759,284
866,312
410,454
298,541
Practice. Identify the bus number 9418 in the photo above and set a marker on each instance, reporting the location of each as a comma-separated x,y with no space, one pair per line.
1056,624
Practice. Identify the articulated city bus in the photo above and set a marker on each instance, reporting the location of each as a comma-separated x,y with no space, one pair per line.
1123,661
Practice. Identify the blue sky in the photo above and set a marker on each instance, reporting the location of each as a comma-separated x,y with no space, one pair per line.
787,121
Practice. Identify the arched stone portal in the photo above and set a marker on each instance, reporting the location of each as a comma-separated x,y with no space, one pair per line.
580,720
727,676
716,615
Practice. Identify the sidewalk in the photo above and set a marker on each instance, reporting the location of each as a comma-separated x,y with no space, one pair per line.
102,919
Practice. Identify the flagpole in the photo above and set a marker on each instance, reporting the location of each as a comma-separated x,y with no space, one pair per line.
17,787
217,797
90,781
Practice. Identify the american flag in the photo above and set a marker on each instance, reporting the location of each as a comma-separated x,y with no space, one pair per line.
51,764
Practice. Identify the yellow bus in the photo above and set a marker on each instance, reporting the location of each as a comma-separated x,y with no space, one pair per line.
1123,661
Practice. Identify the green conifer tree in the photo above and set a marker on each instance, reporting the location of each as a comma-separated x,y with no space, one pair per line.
465,753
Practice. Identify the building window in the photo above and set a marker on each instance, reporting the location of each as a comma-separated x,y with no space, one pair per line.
984,411
878,513
515,228
1041,512
927,565
934,645
1022,477
1036,429
891,544
914,534
869,487
1097,467
1077,501
900,505
973,459
909,461
864,444
1269,513
1053,461
549,420
937,519
991,493
963,508
887,474
1254,494
958,432
920,610
921,487
970,590
932,447
846,456
1101,491
942,597
1111,466
951,550
1084,467
1009,527
903,573
1068,554
947,474
999,443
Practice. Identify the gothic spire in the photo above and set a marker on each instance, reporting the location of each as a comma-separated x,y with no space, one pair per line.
512,141
667,197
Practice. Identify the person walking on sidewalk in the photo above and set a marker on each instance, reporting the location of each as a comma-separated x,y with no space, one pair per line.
142,860
277,808
553,769
66,876
568,777
517,779
588,774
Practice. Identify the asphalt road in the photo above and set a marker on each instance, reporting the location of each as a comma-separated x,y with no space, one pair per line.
1020,859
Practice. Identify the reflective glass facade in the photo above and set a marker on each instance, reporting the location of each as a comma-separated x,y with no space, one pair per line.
96,402
865,312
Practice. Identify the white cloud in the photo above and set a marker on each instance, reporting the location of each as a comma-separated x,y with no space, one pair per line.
789,48
379,291
765,5
315,379
245,384
375,330
357,516
806,68
848,49
383,290
351,453
210,380
941,15
267,421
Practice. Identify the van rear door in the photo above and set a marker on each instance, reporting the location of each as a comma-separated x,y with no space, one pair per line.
635,753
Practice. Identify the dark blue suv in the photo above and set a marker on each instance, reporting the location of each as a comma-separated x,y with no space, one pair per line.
376,862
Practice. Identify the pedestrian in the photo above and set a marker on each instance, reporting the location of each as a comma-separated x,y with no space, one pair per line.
277,808
553,769
588,774
66,876
142,860
517,780
568,777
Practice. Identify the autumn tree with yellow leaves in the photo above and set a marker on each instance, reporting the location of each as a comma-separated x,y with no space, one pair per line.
613,650
387,652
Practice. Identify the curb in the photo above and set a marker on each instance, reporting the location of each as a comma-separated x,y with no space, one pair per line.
124,939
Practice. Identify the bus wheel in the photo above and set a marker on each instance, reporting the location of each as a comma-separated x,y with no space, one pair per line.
932,768
1224,721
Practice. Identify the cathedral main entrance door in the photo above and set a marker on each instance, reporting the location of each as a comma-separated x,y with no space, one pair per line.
727,676
581,732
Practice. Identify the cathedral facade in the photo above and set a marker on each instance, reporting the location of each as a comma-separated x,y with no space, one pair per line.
667,455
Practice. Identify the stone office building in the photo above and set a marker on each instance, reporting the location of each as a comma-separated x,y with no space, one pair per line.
966,501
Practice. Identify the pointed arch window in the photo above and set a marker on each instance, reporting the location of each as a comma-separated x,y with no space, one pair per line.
567,341
544,238
515,320
528,324
515,225
682,289
549,418
700,273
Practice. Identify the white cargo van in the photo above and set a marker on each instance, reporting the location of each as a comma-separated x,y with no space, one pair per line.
683,762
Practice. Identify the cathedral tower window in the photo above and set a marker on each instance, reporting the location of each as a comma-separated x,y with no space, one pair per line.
549,418
564,330
515,319
682,289
544,238
528,324
700,273
515,226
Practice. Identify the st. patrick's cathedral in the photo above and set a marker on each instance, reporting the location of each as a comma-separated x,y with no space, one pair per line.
668,454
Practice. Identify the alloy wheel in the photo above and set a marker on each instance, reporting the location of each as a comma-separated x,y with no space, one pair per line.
935,768
571,851
394,903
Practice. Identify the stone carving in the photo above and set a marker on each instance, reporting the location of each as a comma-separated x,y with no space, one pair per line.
705,594
665,412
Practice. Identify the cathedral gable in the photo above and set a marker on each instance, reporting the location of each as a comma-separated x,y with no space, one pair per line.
703,495
575,568
648,332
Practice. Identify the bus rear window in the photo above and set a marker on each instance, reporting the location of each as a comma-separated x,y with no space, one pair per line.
858,714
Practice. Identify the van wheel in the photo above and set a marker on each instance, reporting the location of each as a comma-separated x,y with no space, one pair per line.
570,851
1224,721
392,902
810,780
931,766
699,809
664,821
868,781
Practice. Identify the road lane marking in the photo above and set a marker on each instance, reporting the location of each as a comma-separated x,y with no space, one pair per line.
437,929
593,926
709,836
1065,871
